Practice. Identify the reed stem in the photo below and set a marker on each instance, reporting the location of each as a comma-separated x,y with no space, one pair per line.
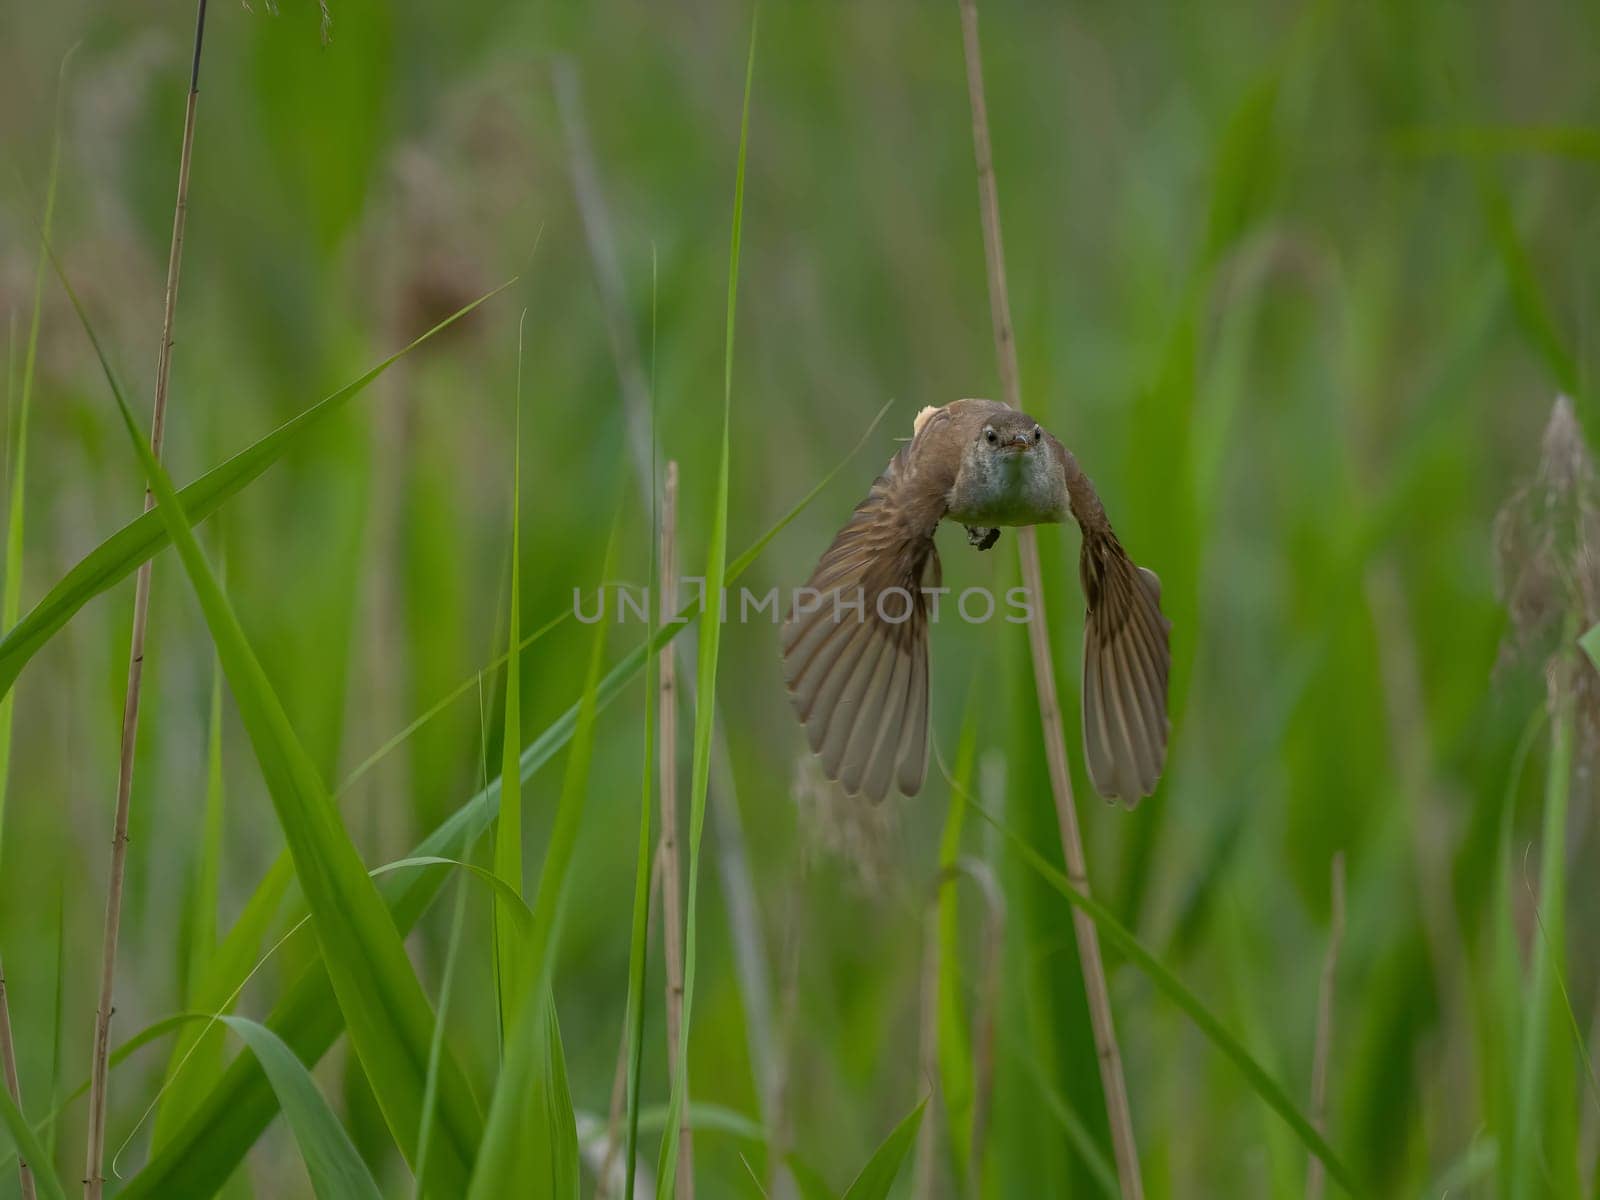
671,895
1093,967
94,1180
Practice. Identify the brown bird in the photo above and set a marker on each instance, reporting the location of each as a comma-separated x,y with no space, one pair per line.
855,647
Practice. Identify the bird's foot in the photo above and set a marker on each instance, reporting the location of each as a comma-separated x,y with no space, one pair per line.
983,539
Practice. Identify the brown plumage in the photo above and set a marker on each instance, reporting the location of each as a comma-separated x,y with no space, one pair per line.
855,647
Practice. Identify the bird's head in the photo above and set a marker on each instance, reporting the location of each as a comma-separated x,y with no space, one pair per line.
1008,475
1009,434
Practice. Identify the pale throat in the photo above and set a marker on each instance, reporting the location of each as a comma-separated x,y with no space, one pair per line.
1007,489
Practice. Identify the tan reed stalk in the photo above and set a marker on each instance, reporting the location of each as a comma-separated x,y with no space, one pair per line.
8,1052
1094,976
1316,1173
671,896
94,1180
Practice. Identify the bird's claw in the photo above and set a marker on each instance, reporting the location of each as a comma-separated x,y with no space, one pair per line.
983,539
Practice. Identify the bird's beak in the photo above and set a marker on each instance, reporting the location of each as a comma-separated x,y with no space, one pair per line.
1019,443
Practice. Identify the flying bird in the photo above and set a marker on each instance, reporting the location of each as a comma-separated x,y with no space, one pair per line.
855,646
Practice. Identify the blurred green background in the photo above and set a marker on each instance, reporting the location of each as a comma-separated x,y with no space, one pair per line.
1297,283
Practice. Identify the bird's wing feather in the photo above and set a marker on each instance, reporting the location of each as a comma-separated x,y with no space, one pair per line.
1126,663
858,676
1126,655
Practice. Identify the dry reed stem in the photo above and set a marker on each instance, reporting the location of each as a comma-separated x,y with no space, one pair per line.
8,1052
94,1180
1094,977
1316,1173
671,896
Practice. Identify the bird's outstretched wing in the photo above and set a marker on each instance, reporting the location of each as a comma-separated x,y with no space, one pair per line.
1126,656
855,648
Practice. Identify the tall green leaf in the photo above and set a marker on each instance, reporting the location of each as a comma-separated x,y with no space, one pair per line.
878,1175
335,1168
430,1095
706,675
11,596
213,1020
956,1081
202,1054
1544,1144
28,1145
508,830
530,1120
385,1009
537,1155
195,1064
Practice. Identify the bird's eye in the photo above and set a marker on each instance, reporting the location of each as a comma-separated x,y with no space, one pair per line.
1038,434
989,435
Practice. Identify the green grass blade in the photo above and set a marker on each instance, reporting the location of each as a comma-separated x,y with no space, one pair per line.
639,936
956,1076
44,1176
557,1110
549,899
198,1049
11,594
203,925
150,1033
387,1014
708,1118
556,1154
122,553
706,675
430,1095
210,1020
535,1151
1117,935
211,1144
504,893
334,1171
530,1118
205,1065
1543,1144
335,1168
810,1184
17,470
1099,1166
878,1176
1501,990
508,830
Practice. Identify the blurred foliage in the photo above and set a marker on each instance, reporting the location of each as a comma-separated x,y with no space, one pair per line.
1298,284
